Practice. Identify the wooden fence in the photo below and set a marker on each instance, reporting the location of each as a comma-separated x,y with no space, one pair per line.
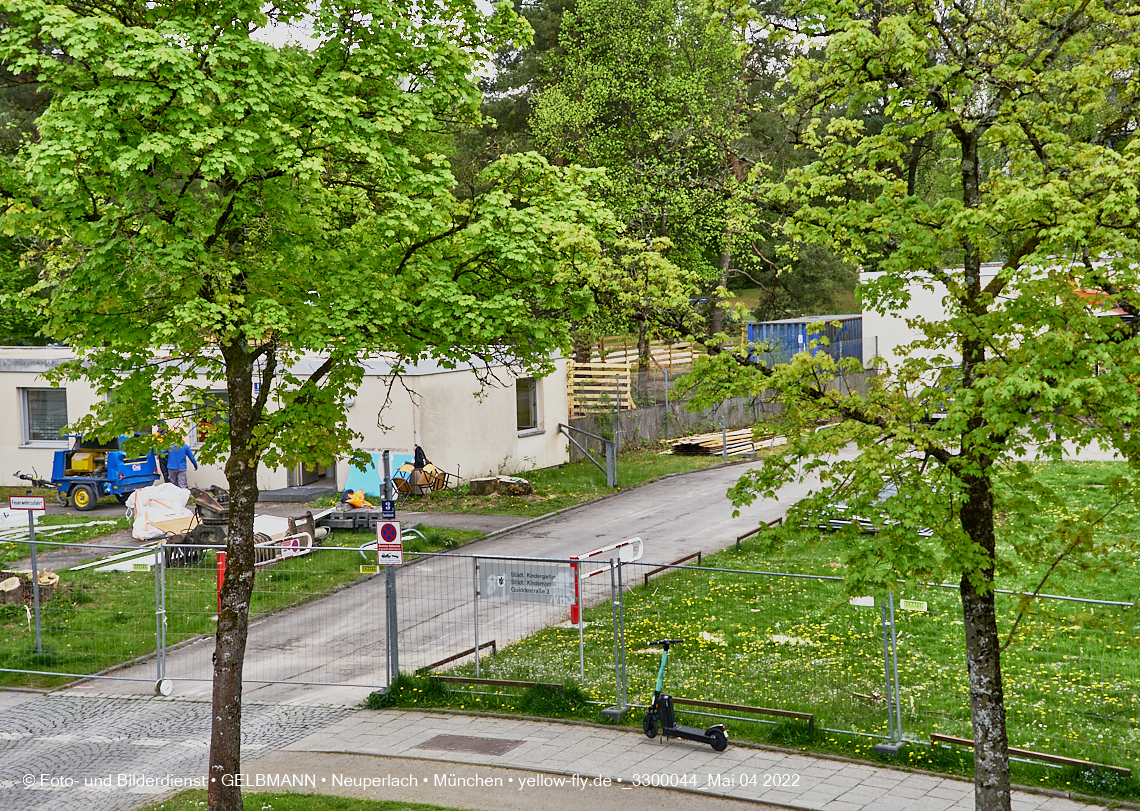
598,387
622,349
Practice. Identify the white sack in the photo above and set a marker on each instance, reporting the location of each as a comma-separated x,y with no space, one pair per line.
159,502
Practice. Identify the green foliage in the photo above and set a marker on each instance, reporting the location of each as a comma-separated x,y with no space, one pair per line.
422,691
957,136
651,93
234,202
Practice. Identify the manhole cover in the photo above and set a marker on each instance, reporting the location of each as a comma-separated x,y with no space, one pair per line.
470,744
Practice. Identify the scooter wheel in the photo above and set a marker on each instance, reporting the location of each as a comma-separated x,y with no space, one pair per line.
719,740
649,726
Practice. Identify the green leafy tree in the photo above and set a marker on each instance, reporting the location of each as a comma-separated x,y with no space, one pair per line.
944,137
210,210
21,101
651,92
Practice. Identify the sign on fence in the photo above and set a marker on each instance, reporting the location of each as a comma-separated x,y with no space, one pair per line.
527,582
389,543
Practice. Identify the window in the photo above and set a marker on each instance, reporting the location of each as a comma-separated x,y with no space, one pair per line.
45,415
213,412
526,403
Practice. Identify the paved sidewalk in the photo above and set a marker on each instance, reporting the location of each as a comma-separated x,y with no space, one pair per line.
739,773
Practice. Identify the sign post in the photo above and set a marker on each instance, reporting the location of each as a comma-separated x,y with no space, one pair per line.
31,504
390,554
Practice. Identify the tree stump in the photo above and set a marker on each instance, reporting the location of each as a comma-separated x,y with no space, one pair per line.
514,486
11,591
484,487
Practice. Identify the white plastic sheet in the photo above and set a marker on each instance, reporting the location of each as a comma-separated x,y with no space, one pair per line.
159,502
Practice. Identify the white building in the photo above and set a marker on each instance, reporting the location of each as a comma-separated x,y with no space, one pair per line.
884,334
510,428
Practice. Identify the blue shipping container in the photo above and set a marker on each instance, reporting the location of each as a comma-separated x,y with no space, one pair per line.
777,341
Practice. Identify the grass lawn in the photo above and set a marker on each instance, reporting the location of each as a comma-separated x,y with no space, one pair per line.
566,485
196,800
6,491
101,619
1071,674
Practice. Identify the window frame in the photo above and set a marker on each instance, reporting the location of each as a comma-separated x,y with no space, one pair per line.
26,419
536,423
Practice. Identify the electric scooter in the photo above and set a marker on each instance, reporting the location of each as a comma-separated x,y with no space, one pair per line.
660,717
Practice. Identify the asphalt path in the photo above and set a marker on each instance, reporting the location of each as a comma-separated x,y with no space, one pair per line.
333,650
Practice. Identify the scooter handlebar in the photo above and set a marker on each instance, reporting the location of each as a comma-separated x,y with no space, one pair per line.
666,641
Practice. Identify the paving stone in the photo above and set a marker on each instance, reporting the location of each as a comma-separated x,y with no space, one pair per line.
72,737
91,736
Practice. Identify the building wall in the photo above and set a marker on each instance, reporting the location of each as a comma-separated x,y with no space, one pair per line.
884,334
20,368
457,429
458,426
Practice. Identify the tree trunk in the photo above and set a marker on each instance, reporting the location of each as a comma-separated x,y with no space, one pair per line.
583,346
983,647
233,621
717,321
983,660
643,360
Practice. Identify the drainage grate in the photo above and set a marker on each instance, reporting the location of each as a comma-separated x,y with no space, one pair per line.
469,744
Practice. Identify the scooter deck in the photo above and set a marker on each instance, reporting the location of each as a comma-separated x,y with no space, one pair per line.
688,733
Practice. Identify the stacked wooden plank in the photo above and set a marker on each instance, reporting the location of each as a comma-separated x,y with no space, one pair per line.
598,387
713,444
662,354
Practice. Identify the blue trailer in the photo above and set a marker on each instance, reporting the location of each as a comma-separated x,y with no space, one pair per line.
90,470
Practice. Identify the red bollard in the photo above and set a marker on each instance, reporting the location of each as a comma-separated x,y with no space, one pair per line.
575,608
221,579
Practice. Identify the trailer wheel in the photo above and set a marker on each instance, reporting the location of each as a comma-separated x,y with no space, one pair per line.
84,497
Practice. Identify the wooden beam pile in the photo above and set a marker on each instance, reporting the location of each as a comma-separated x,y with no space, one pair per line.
713,444
738,442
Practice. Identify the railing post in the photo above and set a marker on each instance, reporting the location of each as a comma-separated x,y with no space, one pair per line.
475,581
35,578
387,457
894,740
576,618
393,624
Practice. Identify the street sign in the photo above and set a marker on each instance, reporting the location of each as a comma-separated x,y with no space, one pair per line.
526,582
27,503
389,543
913,605
387,510
865,602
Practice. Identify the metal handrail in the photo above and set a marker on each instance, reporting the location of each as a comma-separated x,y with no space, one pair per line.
610,470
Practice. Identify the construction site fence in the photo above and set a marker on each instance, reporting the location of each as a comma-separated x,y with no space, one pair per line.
880,666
